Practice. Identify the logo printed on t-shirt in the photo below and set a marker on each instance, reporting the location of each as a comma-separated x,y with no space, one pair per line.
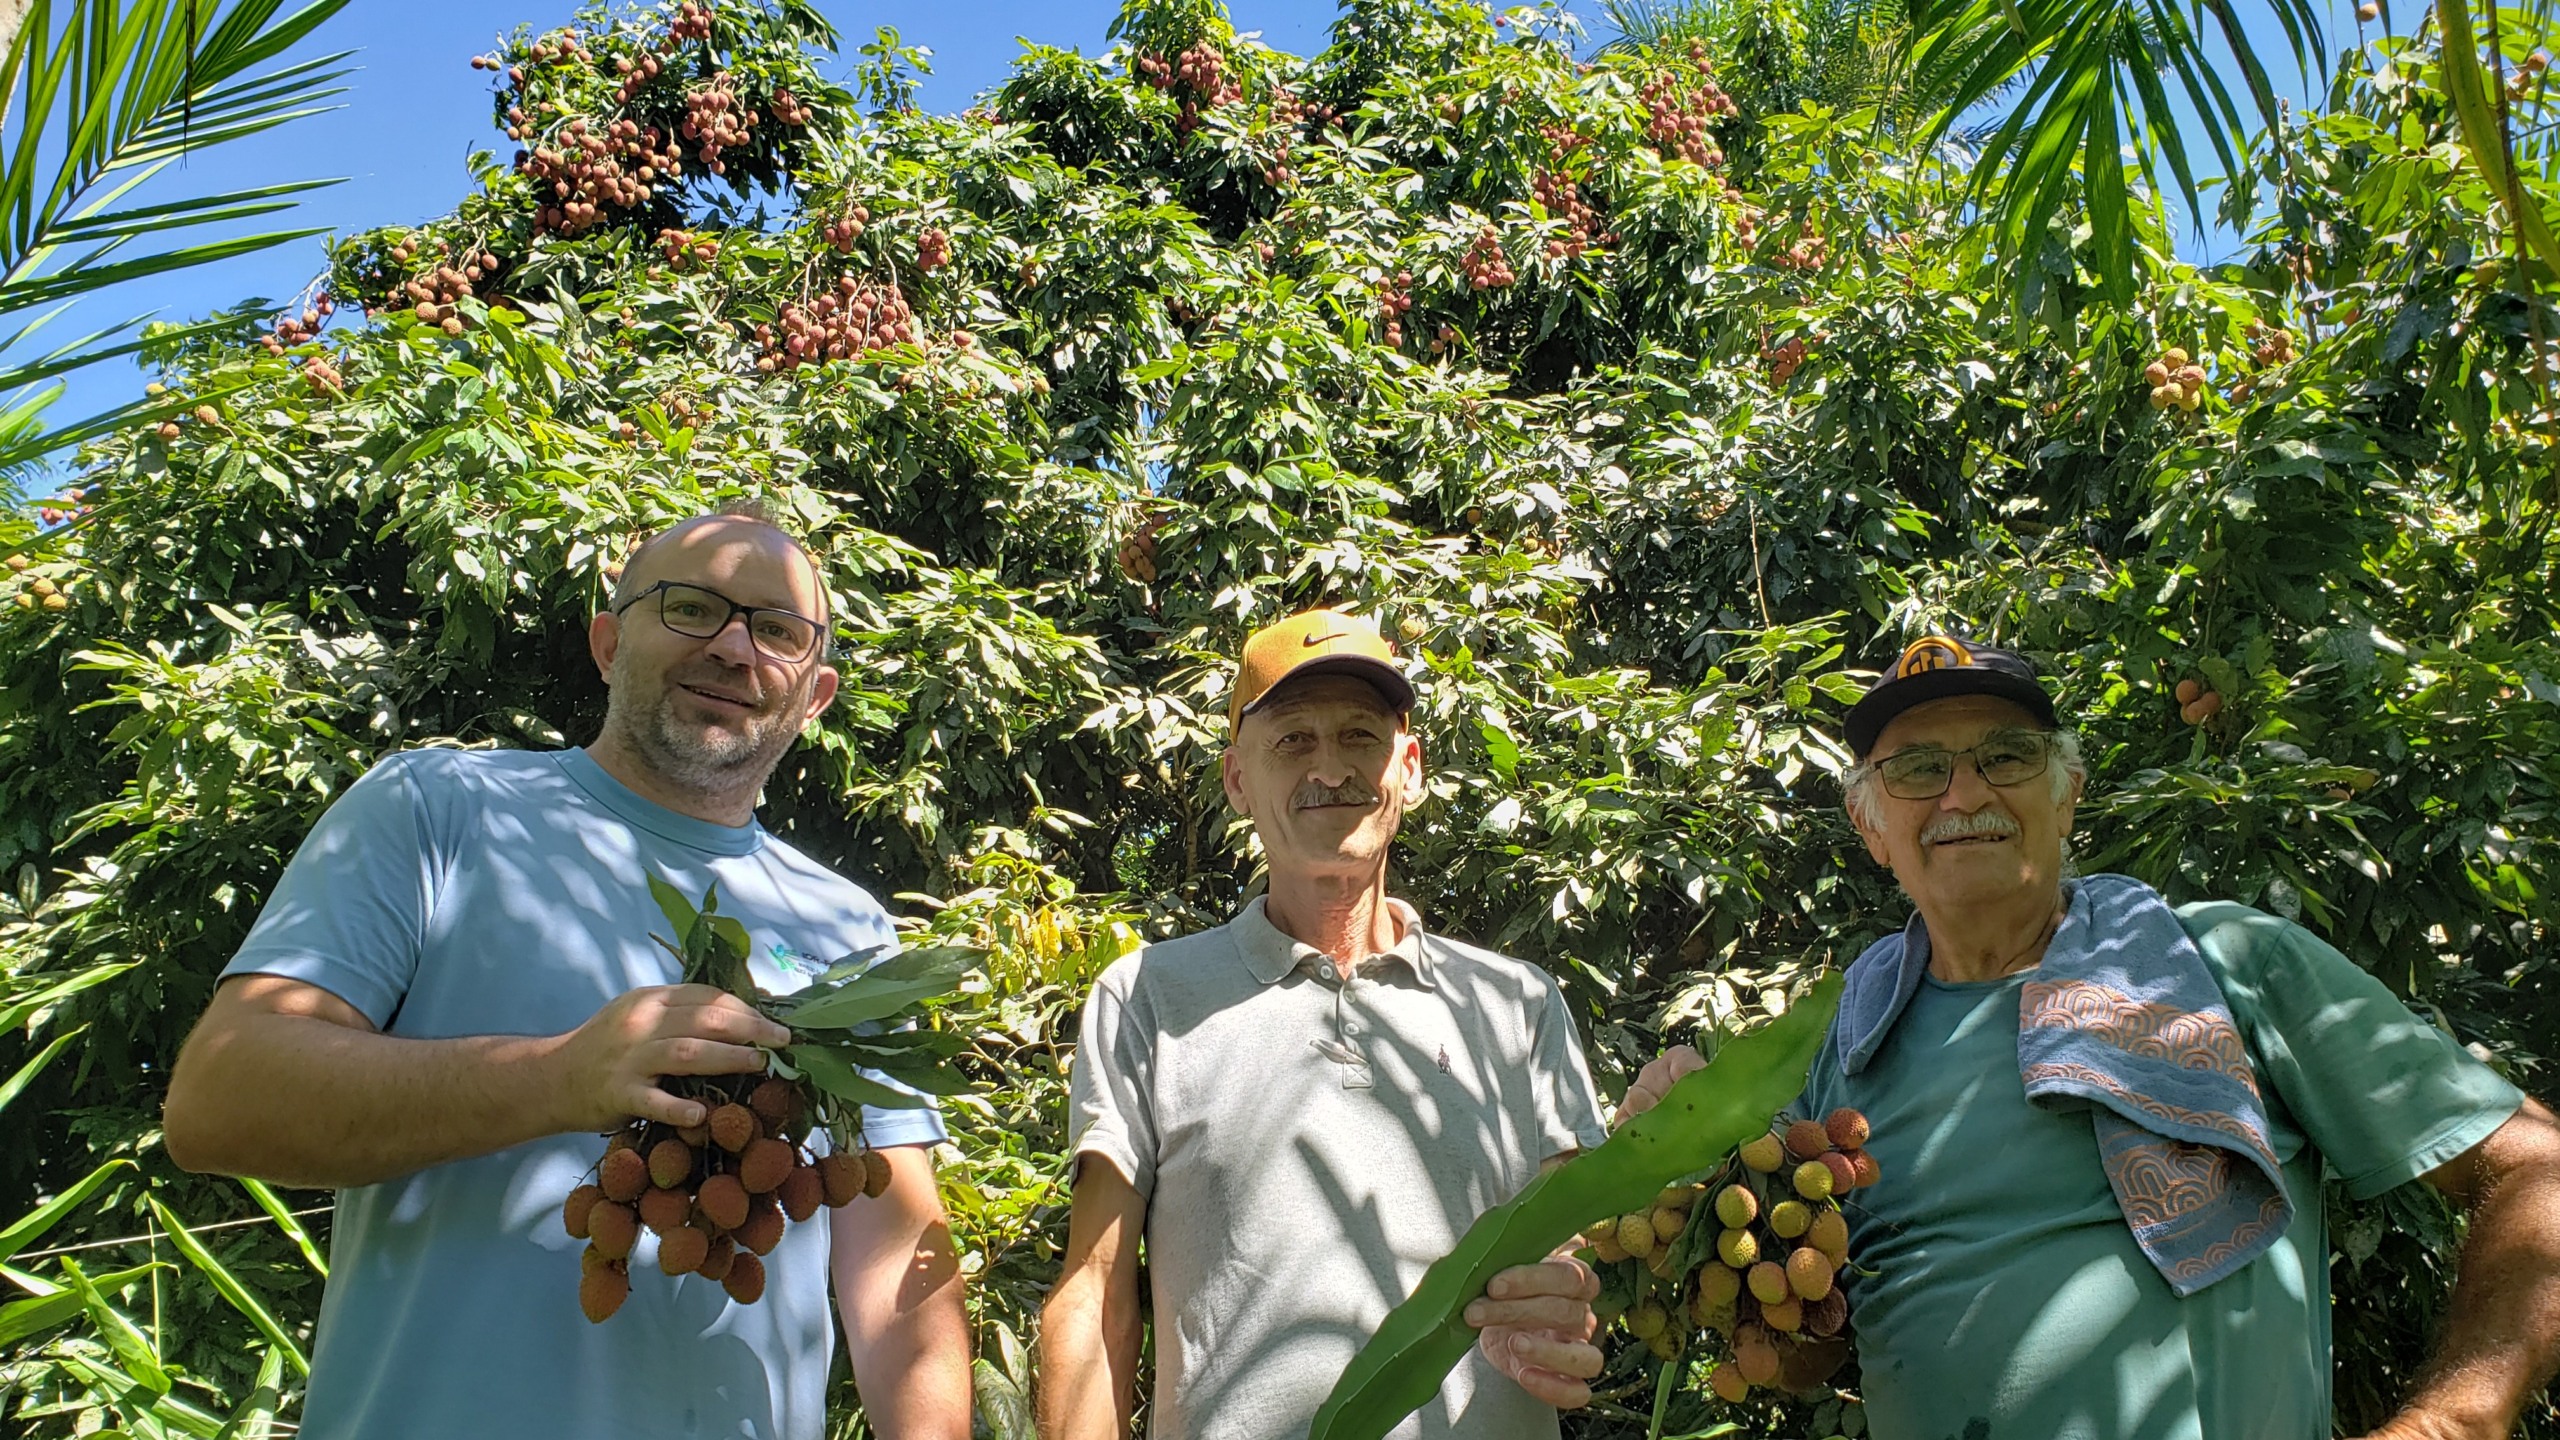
799,962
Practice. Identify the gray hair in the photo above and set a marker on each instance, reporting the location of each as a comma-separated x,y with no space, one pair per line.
1862,790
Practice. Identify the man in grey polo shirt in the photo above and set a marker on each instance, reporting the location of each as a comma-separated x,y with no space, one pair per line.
1300,1110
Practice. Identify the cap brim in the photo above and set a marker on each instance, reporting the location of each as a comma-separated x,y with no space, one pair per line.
1870,715
1391,684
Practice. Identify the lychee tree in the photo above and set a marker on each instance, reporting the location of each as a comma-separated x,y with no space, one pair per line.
1642,463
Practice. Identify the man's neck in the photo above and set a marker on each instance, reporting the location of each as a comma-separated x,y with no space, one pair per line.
732,808
1988,941
1345,916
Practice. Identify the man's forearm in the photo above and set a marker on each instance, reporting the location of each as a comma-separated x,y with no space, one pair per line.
2501,1338
302,1101
1088,1364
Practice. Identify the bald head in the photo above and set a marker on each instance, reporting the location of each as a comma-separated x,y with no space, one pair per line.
677,552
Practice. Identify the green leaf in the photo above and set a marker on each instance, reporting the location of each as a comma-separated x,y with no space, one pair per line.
254,1418
30,1227
15,1013
1707,1114
22,1318
672,904
230,1287
27,1072
133,1349
275,1207
835,1075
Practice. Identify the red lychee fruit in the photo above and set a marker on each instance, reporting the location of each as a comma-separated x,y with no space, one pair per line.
670,1163
875,1174
723,1201
622,1175
733,1127
602,1292
573,1211
1806,1139
613,1227
801,1192
665,1210
840,1175
681,1250
1846,1127
763,1165
745,1280
762,1230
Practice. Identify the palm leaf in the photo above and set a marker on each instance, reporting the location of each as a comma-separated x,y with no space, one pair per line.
2092,74
106,95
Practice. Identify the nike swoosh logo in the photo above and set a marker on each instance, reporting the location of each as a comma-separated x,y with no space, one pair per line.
1312,641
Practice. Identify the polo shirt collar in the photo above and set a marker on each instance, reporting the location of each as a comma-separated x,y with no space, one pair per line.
1272,954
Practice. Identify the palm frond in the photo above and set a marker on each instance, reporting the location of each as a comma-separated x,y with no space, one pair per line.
106,94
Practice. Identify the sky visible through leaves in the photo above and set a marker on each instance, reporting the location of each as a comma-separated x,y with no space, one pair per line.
415,109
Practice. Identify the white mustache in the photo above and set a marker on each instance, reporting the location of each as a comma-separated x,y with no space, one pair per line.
1354,791
1965,827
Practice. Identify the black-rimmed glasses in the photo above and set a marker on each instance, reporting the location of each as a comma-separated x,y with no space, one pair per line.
1923,772
700,613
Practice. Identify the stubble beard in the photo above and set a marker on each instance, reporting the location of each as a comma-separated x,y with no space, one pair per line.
706,762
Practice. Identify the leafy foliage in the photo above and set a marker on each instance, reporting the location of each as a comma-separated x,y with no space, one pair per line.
1638,501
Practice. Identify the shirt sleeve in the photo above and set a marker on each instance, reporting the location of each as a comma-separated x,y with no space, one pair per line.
1568,1106
1110,1092
2384,1096
350,913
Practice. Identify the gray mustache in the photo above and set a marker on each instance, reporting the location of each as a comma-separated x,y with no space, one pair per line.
1354,791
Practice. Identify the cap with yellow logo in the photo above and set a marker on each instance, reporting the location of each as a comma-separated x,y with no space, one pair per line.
1316,642
1936,668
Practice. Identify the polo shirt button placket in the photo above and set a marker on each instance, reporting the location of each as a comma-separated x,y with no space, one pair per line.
1355,1067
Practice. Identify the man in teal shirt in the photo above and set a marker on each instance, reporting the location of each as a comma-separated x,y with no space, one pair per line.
454,988
2103,1123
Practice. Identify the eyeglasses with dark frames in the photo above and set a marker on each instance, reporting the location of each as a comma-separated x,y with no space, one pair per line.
700,613
1923,772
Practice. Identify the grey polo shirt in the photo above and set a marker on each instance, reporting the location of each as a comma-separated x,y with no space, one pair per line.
1308,1145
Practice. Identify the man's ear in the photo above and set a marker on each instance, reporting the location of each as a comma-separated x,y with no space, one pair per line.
1874,839
604,641
822,692
1409,758
1231,778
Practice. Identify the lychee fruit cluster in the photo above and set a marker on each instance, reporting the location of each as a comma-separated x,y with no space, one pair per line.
1484,264
1563,199
1679,111
591,171
691,22
2521,80
1137,553
1200,70
1811,251
716,120
787,108
636,72
1394,298
682,248
2196,704
1287,113
1783,361
1747,1260
716,1195
1445,339
2176,382
435,296
41,591
847,228
933,249
853,319
323,377
2269,345
291,330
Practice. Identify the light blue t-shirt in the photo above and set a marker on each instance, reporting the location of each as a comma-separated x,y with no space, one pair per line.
452,893
1999,1294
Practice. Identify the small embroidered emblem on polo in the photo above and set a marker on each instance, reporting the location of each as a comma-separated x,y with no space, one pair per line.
1444,1060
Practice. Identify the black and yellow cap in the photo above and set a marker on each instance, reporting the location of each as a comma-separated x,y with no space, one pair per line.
1936,668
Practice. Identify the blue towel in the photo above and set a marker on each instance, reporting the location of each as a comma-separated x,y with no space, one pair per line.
2123,1014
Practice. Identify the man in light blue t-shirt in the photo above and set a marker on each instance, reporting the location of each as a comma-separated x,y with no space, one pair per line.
2103,1122
453,992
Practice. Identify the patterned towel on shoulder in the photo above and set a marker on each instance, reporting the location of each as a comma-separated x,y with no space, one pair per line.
2123,1013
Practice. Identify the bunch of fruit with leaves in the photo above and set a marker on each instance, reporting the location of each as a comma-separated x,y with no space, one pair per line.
718,1193
1735,1274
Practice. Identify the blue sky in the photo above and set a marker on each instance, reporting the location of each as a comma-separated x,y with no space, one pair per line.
414,109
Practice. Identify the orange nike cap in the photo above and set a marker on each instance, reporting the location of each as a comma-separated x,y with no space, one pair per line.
1316,642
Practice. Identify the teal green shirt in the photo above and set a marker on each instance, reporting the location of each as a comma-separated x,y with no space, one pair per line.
2006,1300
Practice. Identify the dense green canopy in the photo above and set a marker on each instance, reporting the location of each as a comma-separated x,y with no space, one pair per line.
1647,425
